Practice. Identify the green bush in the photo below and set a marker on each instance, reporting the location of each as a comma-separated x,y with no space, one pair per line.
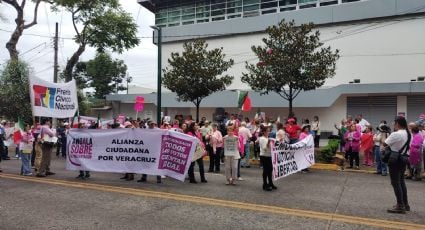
328,152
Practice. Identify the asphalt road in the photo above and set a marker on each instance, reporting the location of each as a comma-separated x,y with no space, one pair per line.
316,200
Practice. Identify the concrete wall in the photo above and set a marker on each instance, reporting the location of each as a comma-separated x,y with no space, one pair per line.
375,52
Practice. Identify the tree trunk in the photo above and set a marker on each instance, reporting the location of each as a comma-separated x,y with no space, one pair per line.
17,33
198,103
73,61
290,99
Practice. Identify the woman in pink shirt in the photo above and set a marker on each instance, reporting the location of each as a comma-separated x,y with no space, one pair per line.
305,131
190,130
216,141
352,145
415,156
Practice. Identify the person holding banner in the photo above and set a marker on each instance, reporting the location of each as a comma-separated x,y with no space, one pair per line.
266,159
46,135
231,156
145,176
190,130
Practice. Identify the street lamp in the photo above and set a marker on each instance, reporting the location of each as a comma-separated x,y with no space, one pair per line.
158,103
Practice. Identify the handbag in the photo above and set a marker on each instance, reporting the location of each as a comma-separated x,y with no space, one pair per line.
390,157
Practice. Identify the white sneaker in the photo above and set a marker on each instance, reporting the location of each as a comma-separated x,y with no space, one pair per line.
28,174
163,177
240,179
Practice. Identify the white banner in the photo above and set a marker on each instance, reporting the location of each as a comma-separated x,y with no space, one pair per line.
288,159
58,100
144,151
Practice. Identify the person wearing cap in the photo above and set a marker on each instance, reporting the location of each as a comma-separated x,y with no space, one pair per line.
398,142
379,139
293,130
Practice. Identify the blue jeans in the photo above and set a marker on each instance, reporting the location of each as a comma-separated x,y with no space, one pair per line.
381,167
247,152
26,159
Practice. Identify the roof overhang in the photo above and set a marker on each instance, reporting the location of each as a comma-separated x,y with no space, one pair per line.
148,4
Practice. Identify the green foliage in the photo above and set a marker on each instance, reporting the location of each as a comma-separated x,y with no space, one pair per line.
101,24
196,72
328,152
292,60
102,73
14,91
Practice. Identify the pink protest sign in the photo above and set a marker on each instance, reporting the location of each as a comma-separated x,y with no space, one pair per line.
138,105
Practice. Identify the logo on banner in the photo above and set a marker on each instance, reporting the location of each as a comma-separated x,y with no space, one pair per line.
80,148
52,98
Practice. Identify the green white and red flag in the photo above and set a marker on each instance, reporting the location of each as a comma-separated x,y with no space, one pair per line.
244,102
19,130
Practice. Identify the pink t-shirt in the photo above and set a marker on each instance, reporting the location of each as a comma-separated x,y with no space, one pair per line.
303,135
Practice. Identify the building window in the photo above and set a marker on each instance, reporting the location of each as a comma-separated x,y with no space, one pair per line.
345,1
328,3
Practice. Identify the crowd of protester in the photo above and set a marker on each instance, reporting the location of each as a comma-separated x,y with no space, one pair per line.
233,141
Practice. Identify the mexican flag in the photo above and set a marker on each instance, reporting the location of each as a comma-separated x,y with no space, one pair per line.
19,129
75,120
244,102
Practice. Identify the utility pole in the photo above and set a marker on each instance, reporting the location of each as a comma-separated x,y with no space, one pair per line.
56,67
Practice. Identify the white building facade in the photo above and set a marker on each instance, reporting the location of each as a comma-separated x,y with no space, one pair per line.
380,42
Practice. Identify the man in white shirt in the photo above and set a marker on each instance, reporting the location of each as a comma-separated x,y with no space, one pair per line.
246,133
362,122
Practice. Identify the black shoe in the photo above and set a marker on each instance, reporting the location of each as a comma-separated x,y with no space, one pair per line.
267,188
204,181
79,176
273,187
87,176
407,208
142,180
129,179
40,175
124,177
6,158
193,182
397,209
158,181
50,173
247,166
210,171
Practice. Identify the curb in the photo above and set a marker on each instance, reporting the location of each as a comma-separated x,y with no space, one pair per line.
317,166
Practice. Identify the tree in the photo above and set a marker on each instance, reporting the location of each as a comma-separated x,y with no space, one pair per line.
292,60
14,91
102,73
20,23
101,24
194,74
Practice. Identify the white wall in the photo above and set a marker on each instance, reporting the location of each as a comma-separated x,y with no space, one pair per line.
387,51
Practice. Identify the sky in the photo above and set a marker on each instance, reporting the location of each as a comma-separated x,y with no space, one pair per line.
38,51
